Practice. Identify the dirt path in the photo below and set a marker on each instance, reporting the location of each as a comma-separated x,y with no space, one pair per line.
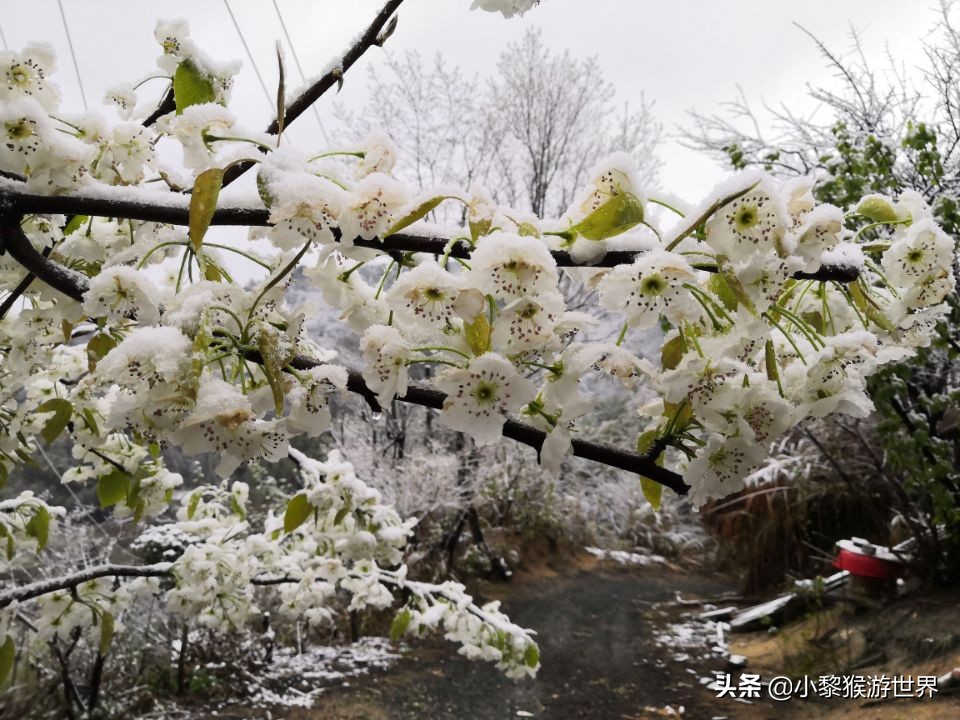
598,652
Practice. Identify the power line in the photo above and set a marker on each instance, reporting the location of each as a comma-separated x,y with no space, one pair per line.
246,48
303,77
73,54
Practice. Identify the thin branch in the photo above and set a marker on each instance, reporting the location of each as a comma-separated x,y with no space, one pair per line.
373,35
49,585
24,203
167,105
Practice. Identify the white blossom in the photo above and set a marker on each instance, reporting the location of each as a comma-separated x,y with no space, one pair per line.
123,292
652,286
480,397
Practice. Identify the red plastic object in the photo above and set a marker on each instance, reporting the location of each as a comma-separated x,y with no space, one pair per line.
867,566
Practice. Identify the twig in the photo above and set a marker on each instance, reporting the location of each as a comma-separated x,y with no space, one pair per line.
370,37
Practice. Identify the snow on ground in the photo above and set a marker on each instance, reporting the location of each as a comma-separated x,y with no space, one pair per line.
643,557
317,669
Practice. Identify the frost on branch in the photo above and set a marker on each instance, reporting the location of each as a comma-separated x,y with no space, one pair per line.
142,339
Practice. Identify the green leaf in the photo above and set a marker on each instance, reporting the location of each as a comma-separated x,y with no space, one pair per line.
418,213
211,271
76,222
106,632
113,488
718,286
8,654
478,334
734,286
281,96
341,515
652,491
617,215
877,209
272,367
298,510
4,474
400,624
528,230
191,87
672,352
90,420
203,203
39,527
97,347
879,318
531,656
479,228
645,440
192,505
62,412
856,294
237,508
770,356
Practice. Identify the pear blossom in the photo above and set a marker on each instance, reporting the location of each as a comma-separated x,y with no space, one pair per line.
379,155
122,292
924,250
385,355
480,397
372,207
304,208
124,98
527,324
126,155
423,298
814,231
197,128
651,286
507,8
223,422
147,356
24,131
720,467
754,222
310,400
510,266
26,75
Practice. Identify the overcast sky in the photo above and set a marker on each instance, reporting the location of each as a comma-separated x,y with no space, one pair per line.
682,54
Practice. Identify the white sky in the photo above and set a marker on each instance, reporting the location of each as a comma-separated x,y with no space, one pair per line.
682,54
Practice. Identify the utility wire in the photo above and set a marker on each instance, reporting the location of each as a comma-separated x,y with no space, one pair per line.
266,92
303,77
73,54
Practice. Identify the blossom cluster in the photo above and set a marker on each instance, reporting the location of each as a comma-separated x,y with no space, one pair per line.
772,309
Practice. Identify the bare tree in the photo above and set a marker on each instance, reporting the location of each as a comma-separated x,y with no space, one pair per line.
537,126
433,114
554,117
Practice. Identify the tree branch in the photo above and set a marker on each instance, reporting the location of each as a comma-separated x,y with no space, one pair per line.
399,242
370,37
49,585
12,240
167,105
74,285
